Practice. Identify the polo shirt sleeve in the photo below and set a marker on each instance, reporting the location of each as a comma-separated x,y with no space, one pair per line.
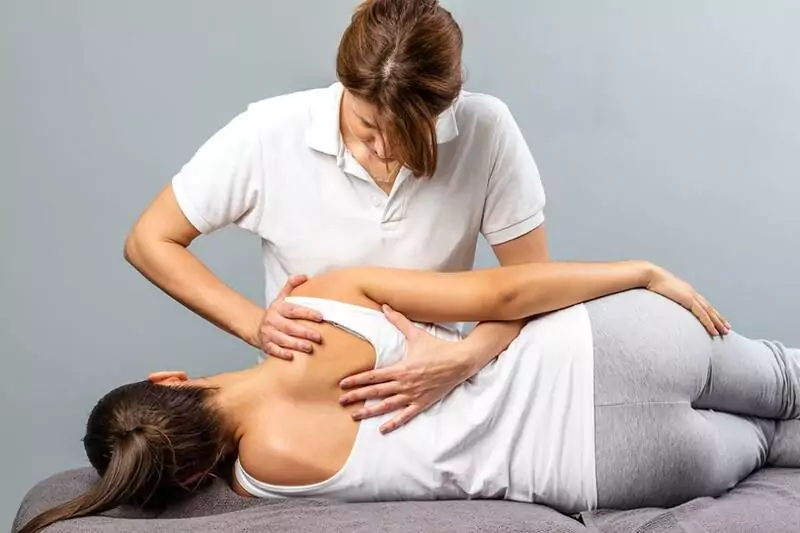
515,197
222,183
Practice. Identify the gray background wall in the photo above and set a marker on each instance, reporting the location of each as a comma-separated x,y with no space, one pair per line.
664,130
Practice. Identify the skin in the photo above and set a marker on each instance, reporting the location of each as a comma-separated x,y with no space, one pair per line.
158,247
275,410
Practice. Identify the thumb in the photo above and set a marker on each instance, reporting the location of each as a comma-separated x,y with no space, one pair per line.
294,281
399,321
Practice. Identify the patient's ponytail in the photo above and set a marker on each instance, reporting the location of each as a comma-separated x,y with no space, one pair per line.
132,464
146,442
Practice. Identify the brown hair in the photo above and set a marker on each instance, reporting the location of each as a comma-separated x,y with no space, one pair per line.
145,441
404,57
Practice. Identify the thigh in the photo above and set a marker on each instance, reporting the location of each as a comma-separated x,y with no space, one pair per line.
664,454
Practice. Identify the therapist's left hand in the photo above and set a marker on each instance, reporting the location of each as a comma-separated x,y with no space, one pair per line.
431,368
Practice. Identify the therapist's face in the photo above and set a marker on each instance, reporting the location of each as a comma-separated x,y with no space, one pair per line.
364,122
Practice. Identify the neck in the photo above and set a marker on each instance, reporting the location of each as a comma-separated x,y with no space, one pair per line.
237,393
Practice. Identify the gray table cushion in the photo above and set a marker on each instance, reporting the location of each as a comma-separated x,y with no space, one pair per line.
217,508
767,501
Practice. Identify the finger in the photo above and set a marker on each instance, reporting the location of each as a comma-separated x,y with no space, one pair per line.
288,326
370,377
719,321
288,310
156,376
373,392
399,321
274,350
386,406
288,342
295,280
400,420
721,317
290,284
701,313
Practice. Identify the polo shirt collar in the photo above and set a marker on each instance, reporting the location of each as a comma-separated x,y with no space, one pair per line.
324,134
446,126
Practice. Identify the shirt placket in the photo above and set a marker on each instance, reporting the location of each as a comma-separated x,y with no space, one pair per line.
389,208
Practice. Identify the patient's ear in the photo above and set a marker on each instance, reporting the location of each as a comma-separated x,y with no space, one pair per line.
168,377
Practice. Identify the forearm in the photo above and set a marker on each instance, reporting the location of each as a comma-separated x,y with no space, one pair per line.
175,270
486,341
505,293
544,287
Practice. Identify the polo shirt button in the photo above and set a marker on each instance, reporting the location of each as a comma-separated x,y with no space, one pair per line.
376,202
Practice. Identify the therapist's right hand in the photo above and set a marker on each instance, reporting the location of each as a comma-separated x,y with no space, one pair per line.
281,334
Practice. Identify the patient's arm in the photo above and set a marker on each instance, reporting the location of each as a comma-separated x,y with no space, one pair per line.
504,293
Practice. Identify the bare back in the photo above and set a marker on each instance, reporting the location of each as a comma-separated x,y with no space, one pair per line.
306,436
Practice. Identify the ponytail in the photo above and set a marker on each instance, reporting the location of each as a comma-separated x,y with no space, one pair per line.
133,468
145,441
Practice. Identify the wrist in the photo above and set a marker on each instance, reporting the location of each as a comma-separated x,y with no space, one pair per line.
646,273
486,342
468,358
249,326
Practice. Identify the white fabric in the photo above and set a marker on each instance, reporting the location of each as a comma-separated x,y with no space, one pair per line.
521,429
281,170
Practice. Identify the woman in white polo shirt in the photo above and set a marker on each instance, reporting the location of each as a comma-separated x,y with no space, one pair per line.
394,165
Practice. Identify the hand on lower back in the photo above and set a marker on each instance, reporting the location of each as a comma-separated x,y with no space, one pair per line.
279,334
431,368
679,291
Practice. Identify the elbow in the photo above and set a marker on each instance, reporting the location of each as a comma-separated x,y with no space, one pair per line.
135,247
504,302
144,244
519,297
507,303
130,251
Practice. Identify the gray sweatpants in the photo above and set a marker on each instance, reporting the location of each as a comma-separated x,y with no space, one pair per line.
678,414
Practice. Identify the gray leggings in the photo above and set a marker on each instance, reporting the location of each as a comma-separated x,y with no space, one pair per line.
679,415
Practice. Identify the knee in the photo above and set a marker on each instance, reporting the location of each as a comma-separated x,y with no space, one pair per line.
785,446
720,450
697,467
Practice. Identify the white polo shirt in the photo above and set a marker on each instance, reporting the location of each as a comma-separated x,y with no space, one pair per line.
281,170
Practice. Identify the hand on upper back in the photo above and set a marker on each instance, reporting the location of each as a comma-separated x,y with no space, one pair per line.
279,335
679,291
431,368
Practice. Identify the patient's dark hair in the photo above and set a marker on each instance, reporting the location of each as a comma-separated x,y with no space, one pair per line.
149,443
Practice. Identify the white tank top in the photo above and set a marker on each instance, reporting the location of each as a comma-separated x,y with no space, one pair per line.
521,429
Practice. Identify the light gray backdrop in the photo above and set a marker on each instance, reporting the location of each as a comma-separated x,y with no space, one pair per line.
663,130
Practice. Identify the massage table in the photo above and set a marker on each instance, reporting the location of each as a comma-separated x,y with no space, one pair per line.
769,501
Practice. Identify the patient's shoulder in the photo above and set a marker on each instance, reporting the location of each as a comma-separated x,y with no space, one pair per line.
266,460
341,285
282,452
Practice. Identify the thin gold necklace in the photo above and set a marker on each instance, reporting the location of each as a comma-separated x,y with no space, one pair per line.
392,176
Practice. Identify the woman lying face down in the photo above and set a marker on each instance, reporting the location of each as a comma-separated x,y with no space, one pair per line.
530,426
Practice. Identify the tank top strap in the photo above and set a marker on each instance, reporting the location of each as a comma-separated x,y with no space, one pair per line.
368,324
